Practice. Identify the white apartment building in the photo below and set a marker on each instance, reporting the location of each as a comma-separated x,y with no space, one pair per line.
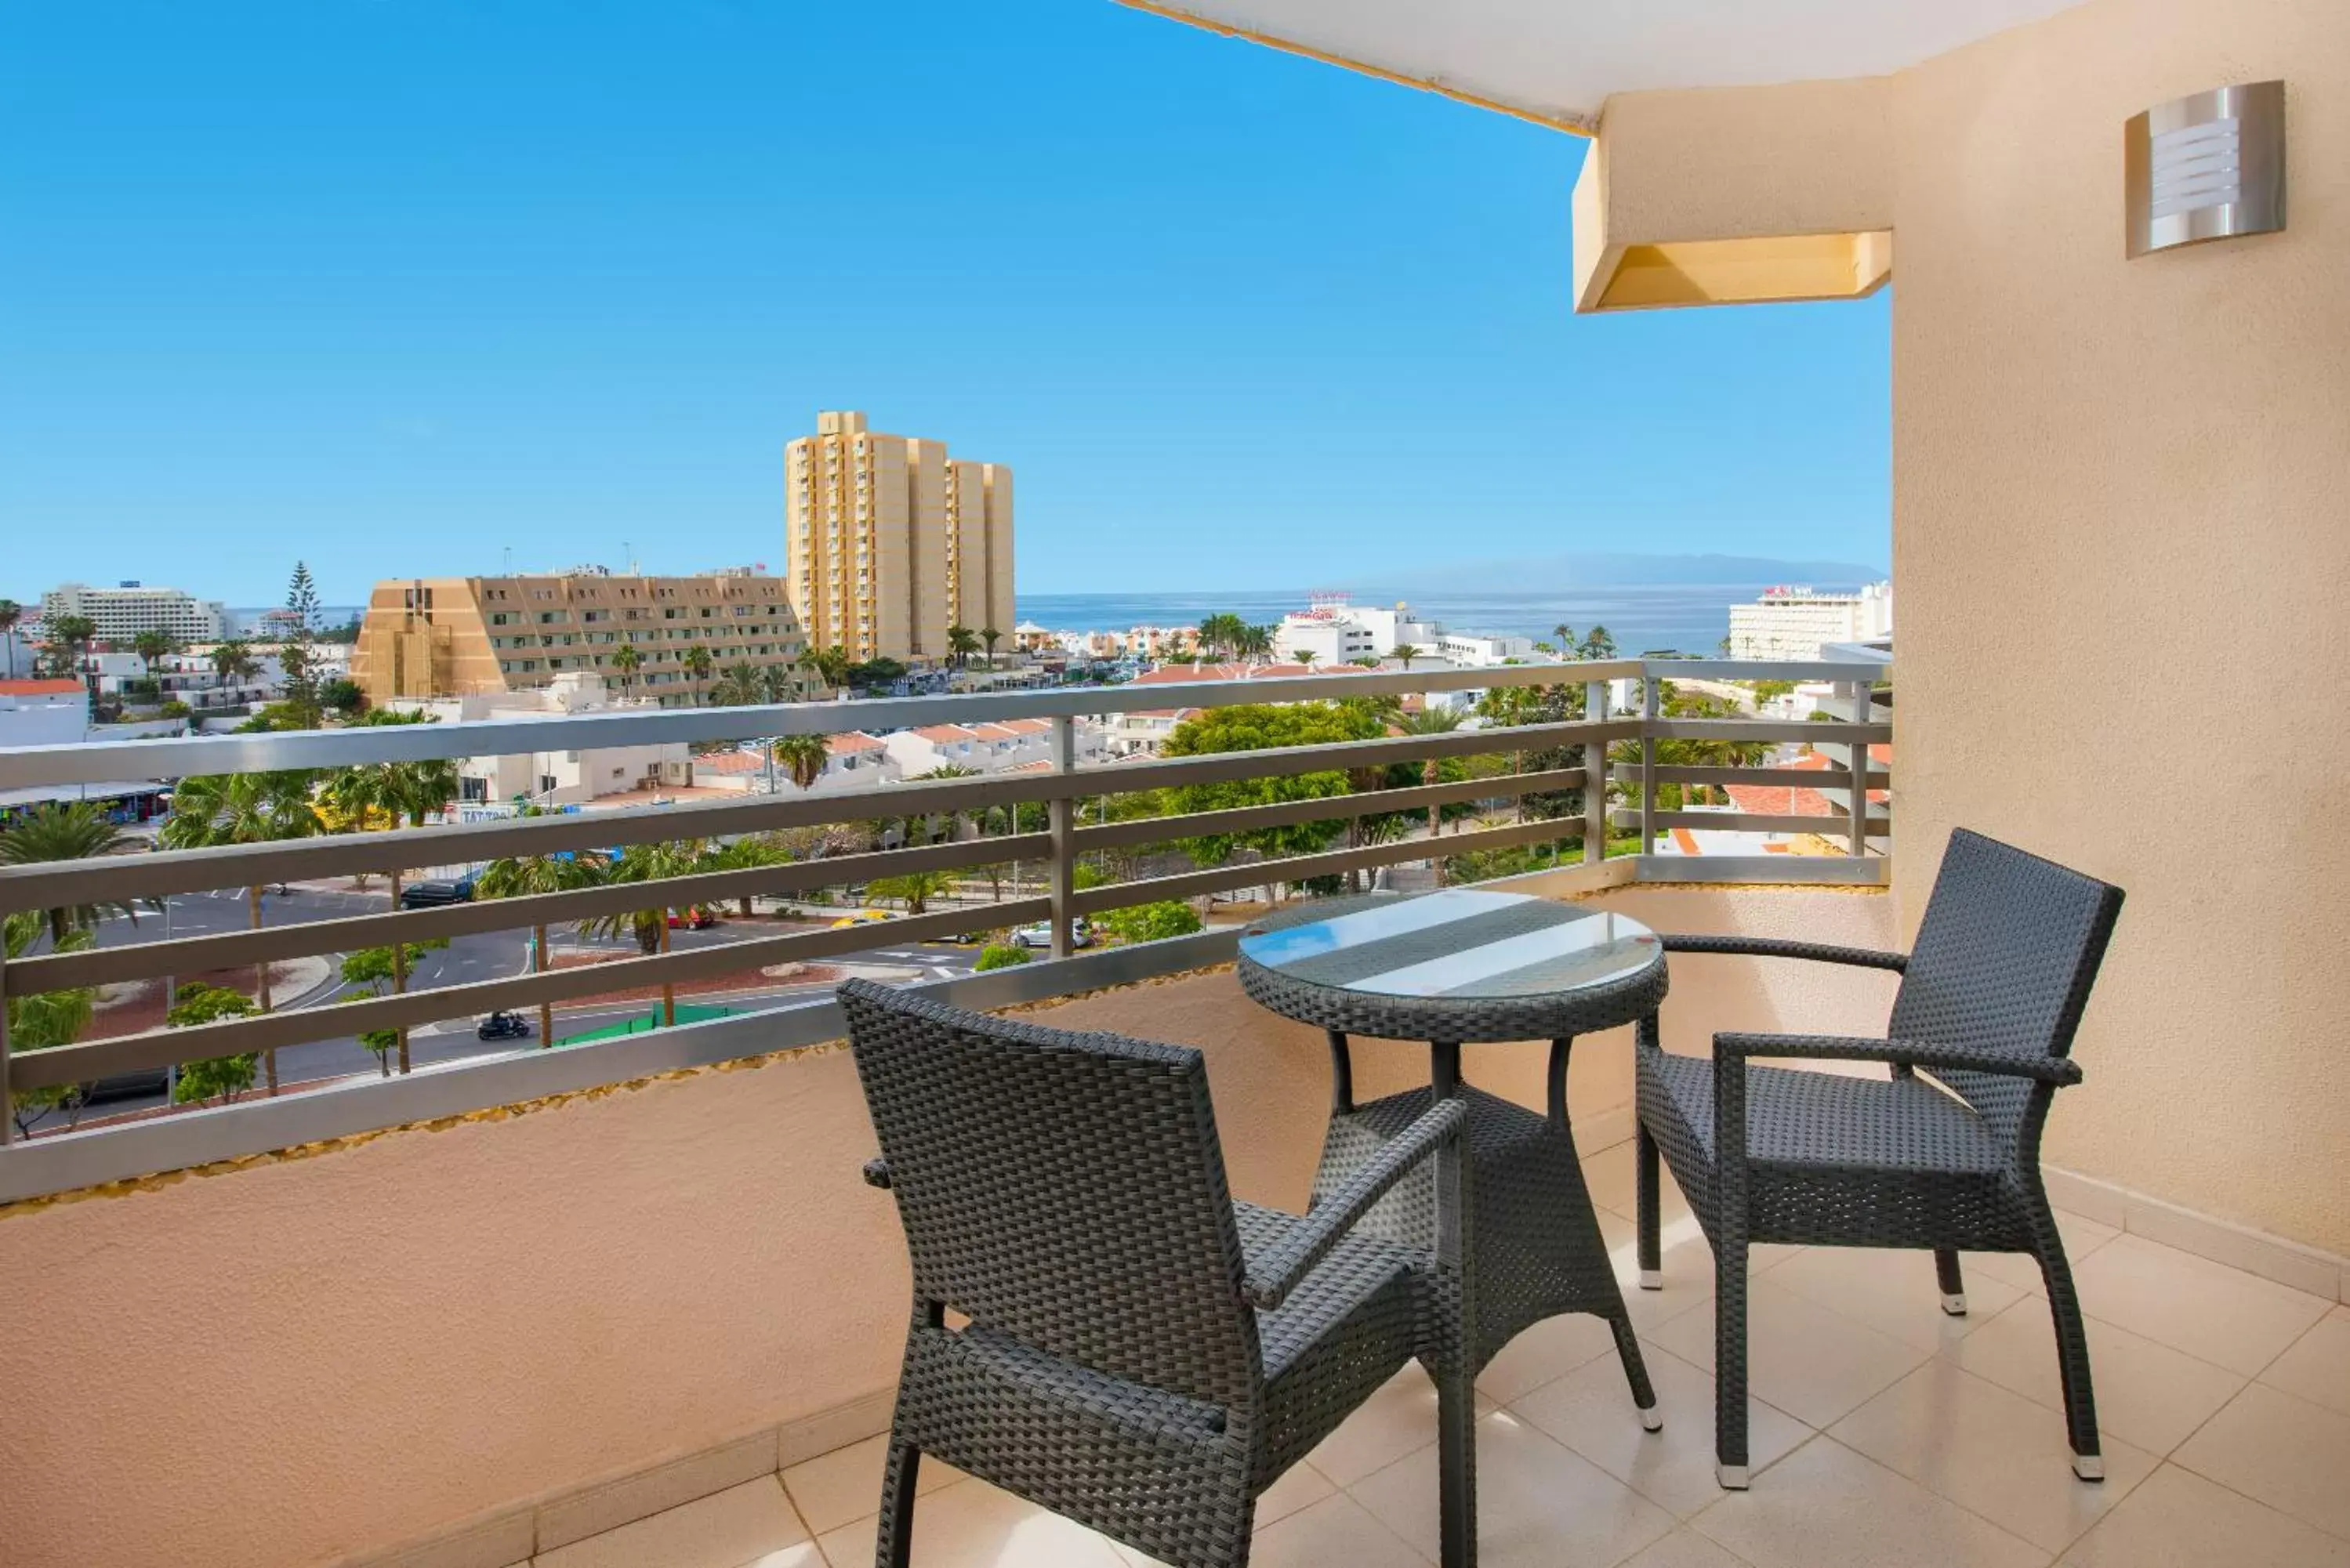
559,775
1796,622
42,714
991,748
123,611
1477,650
1336,632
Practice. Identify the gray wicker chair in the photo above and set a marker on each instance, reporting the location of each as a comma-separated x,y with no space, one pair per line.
1988,1006
1143,1354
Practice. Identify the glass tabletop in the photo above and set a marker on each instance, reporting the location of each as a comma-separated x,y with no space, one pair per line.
1459,943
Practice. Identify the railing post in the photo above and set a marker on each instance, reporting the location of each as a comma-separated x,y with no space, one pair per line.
1062,823
8,1105
1595,776
1650,689
1855,759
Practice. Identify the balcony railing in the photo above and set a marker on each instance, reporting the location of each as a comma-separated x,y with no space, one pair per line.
53,1162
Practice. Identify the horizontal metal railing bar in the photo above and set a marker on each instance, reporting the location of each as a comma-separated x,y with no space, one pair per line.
1786,870
271,1031
1285,813
183,757
66,1161
1808,778
1745,821
1836,733
1297,867
233,949
123,877
1860,671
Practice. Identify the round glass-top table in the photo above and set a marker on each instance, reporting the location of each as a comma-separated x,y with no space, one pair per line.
1454,967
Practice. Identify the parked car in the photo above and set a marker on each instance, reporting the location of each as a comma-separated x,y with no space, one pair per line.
437,890
863,917
1040,935
696,918
123,1085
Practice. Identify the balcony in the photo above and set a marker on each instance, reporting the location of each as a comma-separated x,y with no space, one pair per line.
629,1303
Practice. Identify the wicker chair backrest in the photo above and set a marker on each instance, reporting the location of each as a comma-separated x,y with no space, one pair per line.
1065,1190
2003,962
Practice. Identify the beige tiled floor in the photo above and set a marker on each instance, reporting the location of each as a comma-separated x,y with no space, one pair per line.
1882,1432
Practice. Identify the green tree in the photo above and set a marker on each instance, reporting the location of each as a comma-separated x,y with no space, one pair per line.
152,648
217,1078
522,876
917,889
991,637
46,1019
217,809
1433,721
962,643
342,695
70,638
801,757
1150,922
11,614
1000,955
697,662
72,830
1563,636
748,853
1597,644
739,686
649,863
1407,652
380,970
1249,727
626,661
296,652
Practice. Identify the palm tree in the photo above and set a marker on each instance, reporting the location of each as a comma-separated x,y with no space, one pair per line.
517,876
1306,656
626,659
651,863
833,665
73,634
77,830
11,612
991,637
950,770
746,855
739,687
916,887
962,643
1407,652
1564,637
697,662
1433,721
243,808
1597,644
152,648
801,757
776,683
45,1019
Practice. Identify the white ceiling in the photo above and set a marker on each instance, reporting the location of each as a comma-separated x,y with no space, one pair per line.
1559,59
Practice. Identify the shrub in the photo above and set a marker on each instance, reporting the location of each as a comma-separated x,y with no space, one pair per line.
1150,922
1001,957
174,708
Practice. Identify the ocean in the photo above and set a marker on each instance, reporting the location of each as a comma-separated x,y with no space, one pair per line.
1679,617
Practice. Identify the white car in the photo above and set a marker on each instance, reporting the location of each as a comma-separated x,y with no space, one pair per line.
1040,935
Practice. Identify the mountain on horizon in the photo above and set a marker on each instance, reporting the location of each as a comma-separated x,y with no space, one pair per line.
1532,573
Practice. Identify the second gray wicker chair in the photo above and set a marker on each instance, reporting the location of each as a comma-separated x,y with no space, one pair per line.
1988,1001
1142,1355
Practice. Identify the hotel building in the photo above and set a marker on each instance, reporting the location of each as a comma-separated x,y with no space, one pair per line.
457,637
1797,623
122,612
892,541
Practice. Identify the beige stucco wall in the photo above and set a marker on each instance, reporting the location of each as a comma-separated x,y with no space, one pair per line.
296,1359
2121,547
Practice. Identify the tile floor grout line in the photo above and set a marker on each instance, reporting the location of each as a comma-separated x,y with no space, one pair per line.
2173,1459
1962,1508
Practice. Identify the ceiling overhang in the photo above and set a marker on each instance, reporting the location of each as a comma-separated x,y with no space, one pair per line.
1556,62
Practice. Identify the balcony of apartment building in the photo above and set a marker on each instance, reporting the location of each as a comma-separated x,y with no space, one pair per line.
629,1302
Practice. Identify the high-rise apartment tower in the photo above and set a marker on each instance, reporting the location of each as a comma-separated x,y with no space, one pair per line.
892,541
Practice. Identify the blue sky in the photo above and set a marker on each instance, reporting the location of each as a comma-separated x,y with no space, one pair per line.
395,287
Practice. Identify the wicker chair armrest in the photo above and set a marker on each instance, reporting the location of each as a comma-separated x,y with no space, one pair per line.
877,1172
1276,1273
1779,946
2058,1070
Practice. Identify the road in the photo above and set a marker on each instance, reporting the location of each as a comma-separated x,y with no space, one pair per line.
490,956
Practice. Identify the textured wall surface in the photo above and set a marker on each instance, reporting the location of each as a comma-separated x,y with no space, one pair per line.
286,1362
2122,509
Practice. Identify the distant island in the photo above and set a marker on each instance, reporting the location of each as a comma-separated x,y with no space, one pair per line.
1526,574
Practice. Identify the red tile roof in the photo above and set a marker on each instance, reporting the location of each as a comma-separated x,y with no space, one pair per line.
944,734
38,687
855,740
731,762
1798,800
1169,672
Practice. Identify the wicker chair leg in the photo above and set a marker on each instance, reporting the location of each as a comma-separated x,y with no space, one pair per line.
1730,1363
2072,1352
1644,1196
1953,1283
1456,1419
1635,1372
893,1538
